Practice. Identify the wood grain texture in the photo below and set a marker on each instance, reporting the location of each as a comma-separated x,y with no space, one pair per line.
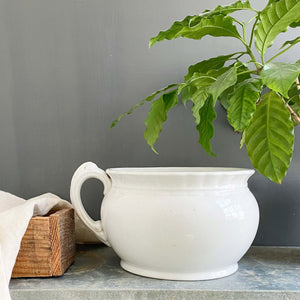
48,246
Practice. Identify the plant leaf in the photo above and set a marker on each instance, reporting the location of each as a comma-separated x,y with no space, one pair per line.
205,65
186,93
172,32
292,42
273,20
196,89
295,24
228,9
271,1
148,99
190,21
198,98
242,103
197,80
224,97
199,89
293,91
280,76
223,82
217,25
157,115
205,126
224,10
270,137
200,95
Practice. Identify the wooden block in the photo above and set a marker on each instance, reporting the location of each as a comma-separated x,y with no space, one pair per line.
48,246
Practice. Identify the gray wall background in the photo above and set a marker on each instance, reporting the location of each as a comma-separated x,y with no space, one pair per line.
70,67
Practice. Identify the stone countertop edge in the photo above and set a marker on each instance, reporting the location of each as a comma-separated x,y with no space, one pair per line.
267,273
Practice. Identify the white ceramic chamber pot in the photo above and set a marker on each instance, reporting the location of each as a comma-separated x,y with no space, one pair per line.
173,223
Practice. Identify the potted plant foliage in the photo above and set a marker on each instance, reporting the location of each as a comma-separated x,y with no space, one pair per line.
261,96
153,217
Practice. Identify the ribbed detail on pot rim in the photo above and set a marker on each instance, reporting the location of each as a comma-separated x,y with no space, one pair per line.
180,177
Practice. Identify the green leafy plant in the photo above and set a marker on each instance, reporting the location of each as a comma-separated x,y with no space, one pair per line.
266,119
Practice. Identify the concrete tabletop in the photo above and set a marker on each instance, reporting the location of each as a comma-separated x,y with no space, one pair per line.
264,273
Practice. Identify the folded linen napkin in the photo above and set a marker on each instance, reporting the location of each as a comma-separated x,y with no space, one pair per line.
15,214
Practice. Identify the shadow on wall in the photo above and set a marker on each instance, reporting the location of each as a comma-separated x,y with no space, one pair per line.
279,210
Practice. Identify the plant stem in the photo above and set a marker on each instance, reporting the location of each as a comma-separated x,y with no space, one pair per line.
251,19
252,31
251,61
246,72
259,100
298,86
240,55
244,32
293,114
238,21
249,51
279,53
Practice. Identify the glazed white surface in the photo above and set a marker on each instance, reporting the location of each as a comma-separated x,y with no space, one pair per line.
174,223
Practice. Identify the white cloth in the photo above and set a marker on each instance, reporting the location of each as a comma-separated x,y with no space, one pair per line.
15,214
